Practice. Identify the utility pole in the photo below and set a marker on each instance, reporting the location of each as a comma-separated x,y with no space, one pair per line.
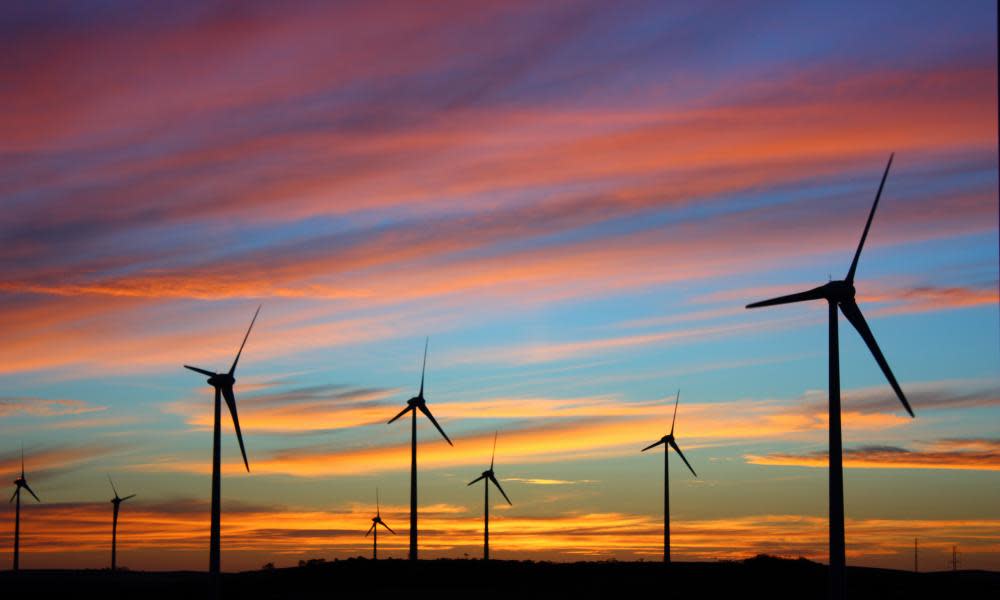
954,558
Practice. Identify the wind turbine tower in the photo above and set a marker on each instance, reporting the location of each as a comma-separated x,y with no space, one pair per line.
414,404
840,294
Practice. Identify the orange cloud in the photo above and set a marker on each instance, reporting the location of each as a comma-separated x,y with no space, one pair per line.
561,429
174,535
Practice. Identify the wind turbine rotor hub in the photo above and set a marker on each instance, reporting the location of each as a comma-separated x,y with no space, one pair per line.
221,380
839,291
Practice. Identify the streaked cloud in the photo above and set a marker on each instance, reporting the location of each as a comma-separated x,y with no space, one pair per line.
255,534
44,407
550,481
964,454
542,430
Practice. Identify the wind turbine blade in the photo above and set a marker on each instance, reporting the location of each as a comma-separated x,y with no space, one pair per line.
653,445
813,294
853,314
494,455
428,414
401,413
232,369
128,497
22,460
423,369
197,370
113,486
370,529
387,527
480,478
677,448
861,244
227,392
497,483
14,495
28,487
378,510
674,421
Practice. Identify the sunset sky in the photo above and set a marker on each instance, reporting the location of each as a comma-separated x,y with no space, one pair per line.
573,200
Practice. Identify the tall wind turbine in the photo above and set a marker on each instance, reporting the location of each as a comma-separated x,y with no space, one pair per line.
117,502
223,384
376,521
487,477
20,482
413,405
669,442
841,294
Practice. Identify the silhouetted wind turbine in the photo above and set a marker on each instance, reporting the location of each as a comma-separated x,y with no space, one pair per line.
117,502
377,520
20,482
669,442
414,404
487,477
223,384
841,294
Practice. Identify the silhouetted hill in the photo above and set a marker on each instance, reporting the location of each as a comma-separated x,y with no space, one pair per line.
761,577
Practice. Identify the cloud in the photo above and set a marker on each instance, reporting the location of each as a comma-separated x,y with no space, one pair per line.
50,461
278,185
307,409
889,297
550,481
963,454
44,407
535,430
172,534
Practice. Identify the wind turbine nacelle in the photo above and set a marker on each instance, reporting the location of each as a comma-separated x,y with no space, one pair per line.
839,291
221,380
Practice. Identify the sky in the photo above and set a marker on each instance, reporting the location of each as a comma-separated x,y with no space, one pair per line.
574,201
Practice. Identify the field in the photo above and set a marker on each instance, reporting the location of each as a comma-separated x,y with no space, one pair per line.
762,577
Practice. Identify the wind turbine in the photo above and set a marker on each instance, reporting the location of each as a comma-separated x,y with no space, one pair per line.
669,442
487,477
413,405
223,384
20,482
117,502
841,294
377,520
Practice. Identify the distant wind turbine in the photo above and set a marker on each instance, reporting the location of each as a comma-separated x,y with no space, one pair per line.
841,294
376,521
486,478
413,405
669,442
223,384
117,502
20,482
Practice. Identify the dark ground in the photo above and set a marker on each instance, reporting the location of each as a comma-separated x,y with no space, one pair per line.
761,577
